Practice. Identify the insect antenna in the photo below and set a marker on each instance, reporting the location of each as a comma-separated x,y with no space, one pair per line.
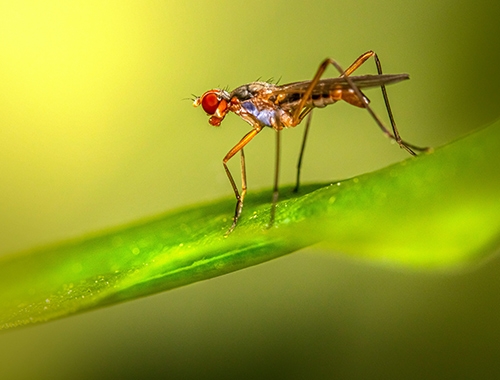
194,97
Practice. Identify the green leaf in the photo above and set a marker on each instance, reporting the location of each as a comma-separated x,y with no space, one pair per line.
440,210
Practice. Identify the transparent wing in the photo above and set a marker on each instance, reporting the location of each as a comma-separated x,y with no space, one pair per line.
362,81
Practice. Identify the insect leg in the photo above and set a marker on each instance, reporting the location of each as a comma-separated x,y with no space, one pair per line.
276,178
365,104
354,66
300,113
396,136
239,196
359,61
301,154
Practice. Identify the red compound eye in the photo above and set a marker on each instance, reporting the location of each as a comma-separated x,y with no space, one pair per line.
210,102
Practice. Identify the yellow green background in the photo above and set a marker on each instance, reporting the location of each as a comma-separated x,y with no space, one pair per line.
97,130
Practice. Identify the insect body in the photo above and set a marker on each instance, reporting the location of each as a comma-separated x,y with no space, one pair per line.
263,104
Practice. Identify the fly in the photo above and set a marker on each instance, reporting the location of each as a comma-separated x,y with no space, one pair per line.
263,104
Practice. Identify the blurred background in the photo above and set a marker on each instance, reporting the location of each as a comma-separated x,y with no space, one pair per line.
97,130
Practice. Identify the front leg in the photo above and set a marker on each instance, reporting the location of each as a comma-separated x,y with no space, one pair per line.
239,196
